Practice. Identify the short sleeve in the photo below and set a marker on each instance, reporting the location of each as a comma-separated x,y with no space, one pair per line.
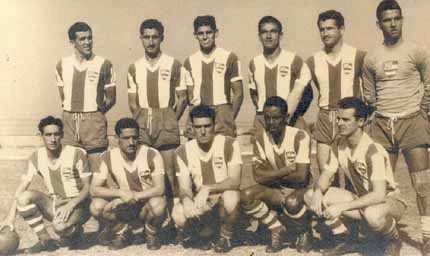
234,68
156,163
236,158
131,79
31,171
184,79
103,172
303,148
304,76
181,167
82,165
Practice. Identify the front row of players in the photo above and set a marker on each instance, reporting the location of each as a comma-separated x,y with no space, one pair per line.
129,187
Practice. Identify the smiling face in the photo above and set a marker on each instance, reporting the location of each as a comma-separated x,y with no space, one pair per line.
330,33
391,23
52,136
270,35
206,37
127,141
151,41
83,43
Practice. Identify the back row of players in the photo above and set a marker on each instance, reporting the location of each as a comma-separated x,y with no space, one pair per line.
128,182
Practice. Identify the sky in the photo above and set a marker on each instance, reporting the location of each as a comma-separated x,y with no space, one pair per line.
34,38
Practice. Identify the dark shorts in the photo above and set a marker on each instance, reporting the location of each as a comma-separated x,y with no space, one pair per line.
402,133
224,122
158,128
325,128
81,213
87,130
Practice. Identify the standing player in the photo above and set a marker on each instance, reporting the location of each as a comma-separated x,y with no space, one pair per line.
138,175
374,198
281,167
336,74
154,81
277,72
208,169
216,75
86,83
397,84
65,172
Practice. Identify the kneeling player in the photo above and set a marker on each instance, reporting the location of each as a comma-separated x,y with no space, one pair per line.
128,187
208,170
66,174
281,167
366,164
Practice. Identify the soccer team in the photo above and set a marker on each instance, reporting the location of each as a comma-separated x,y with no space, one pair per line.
371,106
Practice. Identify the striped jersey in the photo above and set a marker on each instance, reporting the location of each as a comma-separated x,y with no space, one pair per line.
369,162
207,167
278,78
294,148
338,79
396,78
84,83
63,177
156,85
212,76
136,176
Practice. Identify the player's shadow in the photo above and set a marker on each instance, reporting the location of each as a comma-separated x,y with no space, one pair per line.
406,238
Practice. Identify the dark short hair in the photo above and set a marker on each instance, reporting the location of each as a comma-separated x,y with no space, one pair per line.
78,27
125,123
201,111
269,19
205,20
276,101
50,120
152,23
360,108
387,5
331,15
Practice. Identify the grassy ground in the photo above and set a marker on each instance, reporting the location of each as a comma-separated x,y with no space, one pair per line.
10,172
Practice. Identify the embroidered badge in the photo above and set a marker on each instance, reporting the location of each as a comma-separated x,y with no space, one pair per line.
390,67
164,73
284,70
218,162
347,68
219,67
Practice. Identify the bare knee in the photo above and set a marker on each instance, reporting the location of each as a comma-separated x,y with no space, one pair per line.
230,200
157,205
96,207
26,198
178,215
374,218
308,196
247,195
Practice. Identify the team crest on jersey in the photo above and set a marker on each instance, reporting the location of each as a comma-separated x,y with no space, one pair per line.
360,167
164,73
290,157
67,172
347,68
219,67
218,161
390,67
284,70
92,75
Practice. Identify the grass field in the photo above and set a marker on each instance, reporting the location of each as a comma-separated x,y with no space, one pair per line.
10,172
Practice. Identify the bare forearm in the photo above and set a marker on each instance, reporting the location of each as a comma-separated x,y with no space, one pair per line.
323,182
106,193
369,199
150,192
227,184
237,103
83,194
264,176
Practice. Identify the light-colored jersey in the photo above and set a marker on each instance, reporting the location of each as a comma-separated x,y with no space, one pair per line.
294,148
136,176
157,85
207,167
369,162
337,79
213,76
62,177
84,84
277,78
396,78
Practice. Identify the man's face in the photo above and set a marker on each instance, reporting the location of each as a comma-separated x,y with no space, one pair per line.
329,32
269,35
151,41
52,136
204,130
274,119
83,43
391,23
127,140
347,122
206,37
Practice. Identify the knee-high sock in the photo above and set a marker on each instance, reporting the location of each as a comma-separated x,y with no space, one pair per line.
262,213
34,218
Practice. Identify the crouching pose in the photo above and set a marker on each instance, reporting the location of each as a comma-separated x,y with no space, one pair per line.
374,198
129,187
66,174
208,169
281,167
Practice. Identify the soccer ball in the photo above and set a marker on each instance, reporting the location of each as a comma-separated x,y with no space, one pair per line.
9,241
